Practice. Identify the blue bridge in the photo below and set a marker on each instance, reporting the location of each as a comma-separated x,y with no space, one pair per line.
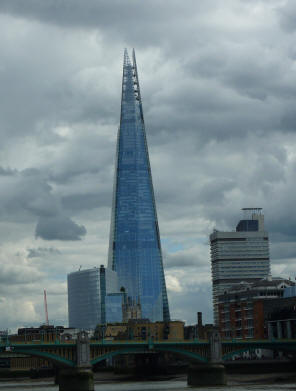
76,358
65,353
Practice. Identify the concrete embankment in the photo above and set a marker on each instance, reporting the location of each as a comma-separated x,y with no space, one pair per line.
260,366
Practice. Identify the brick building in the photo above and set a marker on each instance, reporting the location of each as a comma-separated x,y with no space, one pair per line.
142,330
245,309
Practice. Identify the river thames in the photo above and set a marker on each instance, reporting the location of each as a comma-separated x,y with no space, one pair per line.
166,385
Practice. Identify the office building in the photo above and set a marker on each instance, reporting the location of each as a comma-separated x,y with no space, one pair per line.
242,255
86,296
134,249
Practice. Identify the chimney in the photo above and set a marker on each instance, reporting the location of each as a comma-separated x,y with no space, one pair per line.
199,318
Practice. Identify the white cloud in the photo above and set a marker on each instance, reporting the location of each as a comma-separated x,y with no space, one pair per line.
173,284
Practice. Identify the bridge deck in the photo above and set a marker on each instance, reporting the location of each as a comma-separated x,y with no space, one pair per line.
64,353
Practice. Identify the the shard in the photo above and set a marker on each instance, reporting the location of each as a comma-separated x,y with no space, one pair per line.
134,249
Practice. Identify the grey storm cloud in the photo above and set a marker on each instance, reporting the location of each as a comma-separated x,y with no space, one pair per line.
178,260
213,191
59,228
6,171
94,14
218,87
287,16
27,195
184,259
82,201
11,274
42,251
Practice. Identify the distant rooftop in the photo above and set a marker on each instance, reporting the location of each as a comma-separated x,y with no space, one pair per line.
252,209
264,283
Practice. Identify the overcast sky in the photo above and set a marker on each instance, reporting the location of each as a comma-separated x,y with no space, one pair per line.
218,83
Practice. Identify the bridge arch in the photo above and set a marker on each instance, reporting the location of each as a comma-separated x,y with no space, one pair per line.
46,355
185,353
182,352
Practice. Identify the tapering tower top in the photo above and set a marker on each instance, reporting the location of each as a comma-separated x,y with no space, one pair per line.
126,60
130,83
137,84
134,247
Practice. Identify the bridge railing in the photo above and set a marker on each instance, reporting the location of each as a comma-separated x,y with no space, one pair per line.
149,340
248,342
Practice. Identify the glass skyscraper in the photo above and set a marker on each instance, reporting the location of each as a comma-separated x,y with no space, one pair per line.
134,249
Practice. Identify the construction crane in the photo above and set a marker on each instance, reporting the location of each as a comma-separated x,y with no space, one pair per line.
45,309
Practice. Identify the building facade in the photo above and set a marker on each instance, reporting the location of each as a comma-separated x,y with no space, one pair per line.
290,291
143,330
281,319
134,248
255,310
241,255
86,296
198,330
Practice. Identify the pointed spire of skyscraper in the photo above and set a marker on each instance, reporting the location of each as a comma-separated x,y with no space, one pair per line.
135,250
126,59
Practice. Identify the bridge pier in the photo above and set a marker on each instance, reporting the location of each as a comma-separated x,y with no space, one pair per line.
81,377
212,373
206,375
76,379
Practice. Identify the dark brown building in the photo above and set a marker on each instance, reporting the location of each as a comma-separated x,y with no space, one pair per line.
199,330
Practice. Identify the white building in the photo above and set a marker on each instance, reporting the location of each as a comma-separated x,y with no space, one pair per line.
86,296
241,255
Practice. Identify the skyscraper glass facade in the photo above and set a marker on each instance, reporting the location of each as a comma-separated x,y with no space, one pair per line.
114,305
86,293
135,250
84,299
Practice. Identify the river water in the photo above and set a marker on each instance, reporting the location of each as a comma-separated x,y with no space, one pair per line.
166,385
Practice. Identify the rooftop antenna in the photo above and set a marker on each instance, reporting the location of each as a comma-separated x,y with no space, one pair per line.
45,308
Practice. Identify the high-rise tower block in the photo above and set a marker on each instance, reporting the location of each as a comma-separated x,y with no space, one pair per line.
239,256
